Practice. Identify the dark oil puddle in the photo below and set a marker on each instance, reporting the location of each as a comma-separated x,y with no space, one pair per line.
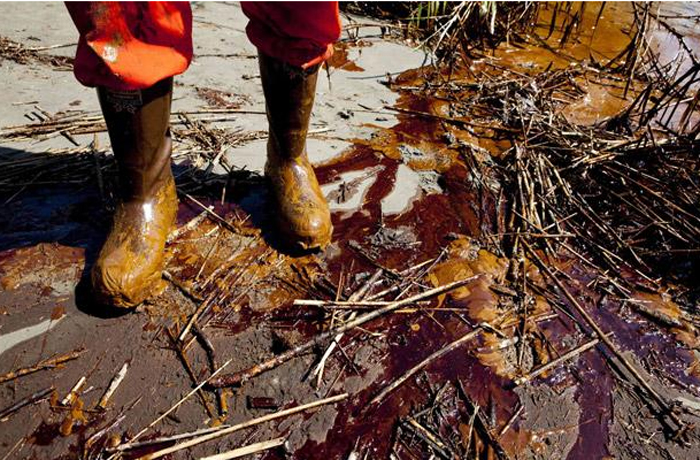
46,433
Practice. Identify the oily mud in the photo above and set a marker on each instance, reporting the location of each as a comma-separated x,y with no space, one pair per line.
251,318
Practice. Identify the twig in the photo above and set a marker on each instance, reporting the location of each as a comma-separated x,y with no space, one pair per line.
246,450
188,368
68,400
49,363
448,348
472,419
114,384
182,288
429,438
21,441
31,399
213,214
240,426
213,363
192,321
552,364
242,376
99,434
164,439
358,295
176,405
481,425
346,304
50,47
191,224
510,421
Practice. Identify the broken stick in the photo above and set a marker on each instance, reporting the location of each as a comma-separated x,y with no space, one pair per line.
398,382
246,450
358,295
181,353
342,304
481,425
49,363
73,393
164,439
552,364
238,378
240,426
179,403
31,399
113,385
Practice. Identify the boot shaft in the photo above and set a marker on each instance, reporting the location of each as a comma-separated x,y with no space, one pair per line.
138,126
289,99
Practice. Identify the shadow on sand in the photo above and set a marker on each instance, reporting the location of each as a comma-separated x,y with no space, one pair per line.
46,199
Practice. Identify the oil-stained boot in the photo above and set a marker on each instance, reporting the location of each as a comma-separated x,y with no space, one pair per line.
301,210
129,267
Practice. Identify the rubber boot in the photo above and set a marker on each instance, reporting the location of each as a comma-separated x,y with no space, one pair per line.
301,209
129,267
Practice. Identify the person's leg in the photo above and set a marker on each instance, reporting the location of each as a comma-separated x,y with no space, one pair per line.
131,45
292,40
129,267
298,33
130,53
